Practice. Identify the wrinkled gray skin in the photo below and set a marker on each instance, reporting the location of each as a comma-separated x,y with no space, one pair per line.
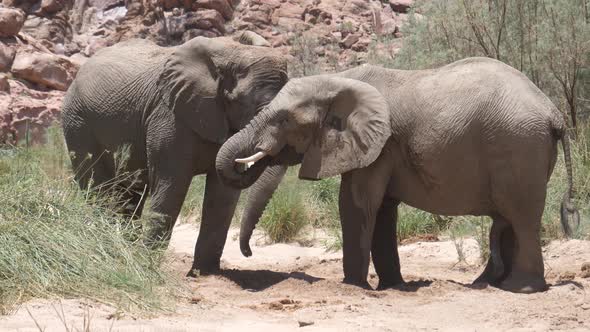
173,107
475,137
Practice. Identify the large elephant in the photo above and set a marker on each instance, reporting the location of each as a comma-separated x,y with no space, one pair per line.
172,107
475,137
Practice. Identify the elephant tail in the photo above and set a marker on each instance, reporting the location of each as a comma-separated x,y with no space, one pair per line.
570,217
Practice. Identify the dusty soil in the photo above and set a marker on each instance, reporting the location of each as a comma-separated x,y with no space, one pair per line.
284,286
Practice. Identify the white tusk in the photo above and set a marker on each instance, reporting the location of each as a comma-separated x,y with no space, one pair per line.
252,159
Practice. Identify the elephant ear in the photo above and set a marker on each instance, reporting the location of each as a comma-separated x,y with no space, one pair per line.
190,85
352,133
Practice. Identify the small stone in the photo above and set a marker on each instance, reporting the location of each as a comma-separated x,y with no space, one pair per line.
303,323
566,276
275,306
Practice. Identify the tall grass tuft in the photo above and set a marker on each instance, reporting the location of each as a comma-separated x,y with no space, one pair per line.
55,241
286,213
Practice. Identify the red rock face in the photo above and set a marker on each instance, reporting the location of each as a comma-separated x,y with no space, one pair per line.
43,42
50,70
25,113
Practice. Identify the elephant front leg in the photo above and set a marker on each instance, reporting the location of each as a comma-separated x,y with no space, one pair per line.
361,194
167,196
384,247
219,205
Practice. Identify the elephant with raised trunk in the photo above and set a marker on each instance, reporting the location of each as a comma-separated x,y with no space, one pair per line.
173,108
475,137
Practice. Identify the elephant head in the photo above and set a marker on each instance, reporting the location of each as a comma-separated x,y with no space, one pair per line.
216,85
332,124
329,124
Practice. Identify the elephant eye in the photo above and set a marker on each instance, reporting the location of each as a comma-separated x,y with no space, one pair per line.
335,123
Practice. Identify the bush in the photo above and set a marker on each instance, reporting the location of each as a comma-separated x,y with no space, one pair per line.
548,40
57,240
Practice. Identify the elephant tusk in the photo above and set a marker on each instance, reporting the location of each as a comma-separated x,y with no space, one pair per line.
252,159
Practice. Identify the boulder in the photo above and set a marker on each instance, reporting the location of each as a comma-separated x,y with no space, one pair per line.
289,10
205,20
103,5
11,21
222,6
401,6
44,68
350,40
362,45
27,6
95,44
52,6
170,4
6,56
4,85
259,17
78,59
57,29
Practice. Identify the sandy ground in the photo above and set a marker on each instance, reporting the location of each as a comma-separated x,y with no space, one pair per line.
284,286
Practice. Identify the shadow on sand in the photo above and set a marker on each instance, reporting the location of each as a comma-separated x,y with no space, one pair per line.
258,280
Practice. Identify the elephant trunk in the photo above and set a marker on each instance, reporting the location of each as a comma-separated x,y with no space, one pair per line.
258,197
240,145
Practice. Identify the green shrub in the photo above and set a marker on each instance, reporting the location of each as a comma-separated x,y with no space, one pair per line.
57,240
548,40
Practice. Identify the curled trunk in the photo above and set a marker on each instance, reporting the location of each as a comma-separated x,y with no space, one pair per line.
239,145
258,197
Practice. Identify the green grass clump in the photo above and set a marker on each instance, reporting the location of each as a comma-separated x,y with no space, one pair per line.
59,241
286,213
193,202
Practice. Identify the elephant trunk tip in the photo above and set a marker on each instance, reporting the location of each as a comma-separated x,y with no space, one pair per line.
245,249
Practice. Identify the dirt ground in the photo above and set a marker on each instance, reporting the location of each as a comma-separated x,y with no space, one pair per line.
284,286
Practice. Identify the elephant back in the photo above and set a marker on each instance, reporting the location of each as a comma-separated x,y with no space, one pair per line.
119,77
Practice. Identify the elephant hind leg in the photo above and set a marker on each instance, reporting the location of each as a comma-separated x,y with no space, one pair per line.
90,162
501,253
516,262
526,269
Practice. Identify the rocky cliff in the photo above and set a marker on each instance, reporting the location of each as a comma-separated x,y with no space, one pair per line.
43,42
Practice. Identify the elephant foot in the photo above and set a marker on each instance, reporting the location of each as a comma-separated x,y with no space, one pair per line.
196,271
520,282
355,282
489,276
390,283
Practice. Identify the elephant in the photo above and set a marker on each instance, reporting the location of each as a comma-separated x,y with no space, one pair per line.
172,108
474,137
